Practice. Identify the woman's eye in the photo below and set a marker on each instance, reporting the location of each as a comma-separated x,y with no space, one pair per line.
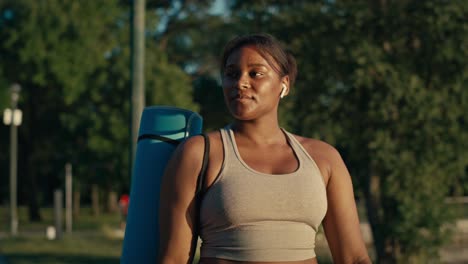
256,74
230,74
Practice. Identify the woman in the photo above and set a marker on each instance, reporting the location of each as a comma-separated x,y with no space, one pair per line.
267,191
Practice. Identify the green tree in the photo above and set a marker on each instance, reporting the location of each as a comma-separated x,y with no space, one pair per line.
385,82
182,35
72,59
4,140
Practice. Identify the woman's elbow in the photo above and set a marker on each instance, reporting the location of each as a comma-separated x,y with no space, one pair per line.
173,260
362,260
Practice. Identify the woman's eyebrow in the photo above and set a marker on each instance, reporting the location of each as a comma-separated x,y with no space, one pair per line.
256,65
233,65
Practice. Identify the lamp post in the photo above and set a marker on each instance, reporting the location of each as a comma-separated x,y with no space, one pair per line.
12,117
137,102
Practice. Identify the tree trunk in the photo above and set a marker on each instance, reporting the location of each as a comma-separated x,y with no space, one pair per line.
32,195
34,215
76,204
95,199
27,166
375,218
112,205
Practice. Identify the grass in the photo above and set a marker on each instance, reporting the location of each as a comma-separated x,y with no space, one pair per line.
84,222
69,249
92,240
461,209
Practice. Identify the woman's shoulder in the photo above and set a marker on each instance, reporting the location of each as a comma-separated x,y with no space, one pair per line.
190,151
191,145
317,147
324,154
194,146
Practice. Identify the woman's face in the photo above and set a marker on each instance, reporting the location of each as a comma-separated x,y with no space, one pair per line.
251,86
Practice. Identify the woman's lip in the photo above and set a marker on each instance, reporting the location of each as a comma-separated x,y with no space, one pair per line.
241,99
241,96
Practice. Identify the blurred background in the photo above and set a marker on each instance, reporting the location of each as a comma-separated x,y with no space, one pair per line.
386,82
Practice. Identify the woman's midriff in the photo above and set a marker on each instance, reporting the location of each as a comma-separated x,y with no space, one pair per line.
225,261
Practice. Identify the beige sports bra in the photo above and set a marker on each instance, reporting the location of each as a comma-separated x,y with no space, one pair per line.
247,215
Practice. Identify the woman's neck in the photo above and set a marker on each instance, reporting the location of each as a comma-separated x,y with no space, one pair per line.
259,133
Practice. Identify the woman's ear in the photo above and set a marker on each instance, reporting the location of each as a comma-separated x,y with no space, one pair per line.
283,91
284,86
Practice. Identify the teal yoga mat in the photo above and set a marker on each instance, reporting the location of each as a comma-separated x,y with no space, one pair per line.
161,129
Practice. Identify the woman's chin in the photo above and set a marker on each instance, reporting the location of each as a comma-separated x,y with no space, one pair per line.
242,112
242,115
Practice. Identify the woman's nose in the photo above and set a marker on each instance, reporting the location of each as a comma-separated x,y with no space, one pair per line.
243,82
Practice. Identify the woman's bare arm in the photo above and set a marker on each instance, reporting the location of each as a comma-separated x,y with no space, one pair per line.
177,202
341,223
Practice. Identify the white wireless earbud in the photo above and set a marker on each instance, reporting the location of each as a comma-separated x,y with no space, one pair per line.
283,91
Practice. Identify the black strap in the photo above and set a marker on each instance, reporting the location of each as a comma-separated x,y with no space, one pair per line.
201,176
199,192
158,137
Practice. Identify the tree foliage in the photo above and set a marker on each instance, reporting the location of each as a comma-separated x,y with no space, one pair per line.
76,90
386,84
383,81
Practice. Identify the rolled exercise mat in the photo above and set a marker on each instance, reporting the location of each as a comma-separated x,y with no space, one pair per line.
161,129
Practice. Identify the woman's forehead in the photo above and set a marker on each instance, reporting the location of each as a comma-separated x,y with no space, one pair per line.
245,53
251,55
